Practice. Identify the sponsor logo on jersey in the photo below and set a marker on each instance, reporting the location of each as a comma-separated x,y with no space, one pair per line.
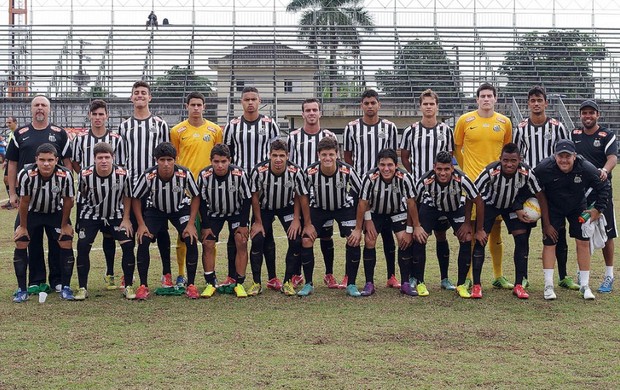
554,121
523,123
61,173
501,120
87,172
469,119
56,129
399,174
22,130
523,171
602,133
312,171
428,181
345,170
496,171
181,129
33,173
207,173
121,171
456,178
354,122
235,121
237,172
577,131
180,173
114,135
151,176
292,169
263,168
374,176
266,119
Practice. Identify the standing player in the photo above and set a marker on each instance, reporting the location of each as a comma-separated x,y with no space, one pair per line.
440,193
598,145
226,197
302,146
334,188
248,138
277,185
363,139
21,151
46,192
565,177
479,137
536,137
104,205
193,139
84,157
11,124
388,196
166,187
141,134
418,148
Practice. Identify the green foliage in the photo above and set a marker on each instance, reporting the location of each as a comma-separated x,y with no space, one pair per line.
560,60
99,92
178,82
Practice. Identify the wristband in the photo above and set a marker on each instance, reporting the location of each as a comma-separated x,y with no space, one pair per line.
604,170
367,216
409,229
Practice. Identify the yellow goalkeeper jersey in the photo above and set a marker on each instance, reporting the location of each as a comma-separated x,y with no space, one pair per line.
194,144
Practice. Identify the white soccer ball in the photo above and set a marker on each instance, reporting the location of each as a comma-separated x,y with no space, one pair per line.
531,207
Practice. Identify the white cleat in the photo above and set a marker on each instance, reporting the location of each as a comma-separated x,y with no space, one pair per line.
550,294
586,293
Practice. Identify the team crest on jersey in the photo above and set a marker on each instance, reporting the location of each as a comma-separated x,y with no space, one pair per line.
441,136
51,138
547,135
56,129
206,138
181,129
577,179
266,119
312,171
471,118
288,183
55,189
381,134
121,171
341,184
292,169
87,172
232,189
602,133
61,173
453,191
501,120
597,143
263,168
374,176
116,185
177,189
237,172
180,173
577,131
345,170
496,172
497,128
151,176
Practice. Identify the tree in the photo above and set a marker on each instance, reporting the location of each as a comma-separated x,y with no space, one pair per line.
561,61
329,25
178,82
99,92
419,65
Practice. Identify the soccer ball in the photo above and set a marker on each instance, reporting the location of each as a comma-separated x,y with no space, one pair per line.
531,207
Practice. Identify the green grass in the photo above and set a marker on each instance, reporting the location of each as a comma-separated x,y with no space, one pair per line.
327,340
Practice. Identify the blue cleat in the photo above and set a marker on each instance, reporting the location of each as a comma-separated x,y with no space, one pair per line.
607,286
67,294
20,296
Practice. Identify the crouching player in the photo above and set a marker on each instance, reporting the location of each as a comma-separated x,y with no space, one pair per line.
226,197
386,198
499,183
166,187
46,198
104,206
440,193
277,185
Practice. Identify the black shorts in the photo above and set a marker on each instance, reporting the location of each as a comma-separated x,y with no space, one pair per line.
88,229
558,220
508,215
285,216
396,221
345,218
610,216
443,224
157,220
217,223
430,218
49,221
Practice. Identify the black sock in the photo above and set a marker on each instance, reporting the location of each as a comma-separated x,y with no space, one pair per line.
269,250
389,250
478,261
68,260
83,267
418,261
144,261
20,263
240,279
443,256
109,251
522,251
191,261
293,260
464,261
231,251
370,261
352,254
327,248
163,244
210,278
404,260
307,262
561,253
128,262
256,256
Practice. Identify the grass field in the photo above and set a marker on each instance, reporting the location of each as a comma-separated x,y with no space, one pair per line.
325,341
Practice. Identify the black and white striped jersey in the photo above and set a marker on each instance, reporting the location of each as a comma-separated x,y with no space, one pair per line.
499,190
224,195
365,142
424,143
101,197
46,194
167,196
277,191
249,142
333,192
141,136
84,143
384,197
538,142
302,147
449,197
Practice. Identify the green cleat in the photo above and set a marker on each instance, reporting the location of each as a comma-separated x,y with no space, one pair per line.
463,291
446,284
255,289
568,283
81,294
306,290
502,282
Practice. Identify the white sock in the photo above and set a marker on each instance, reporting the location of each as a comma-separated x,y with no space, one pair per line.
609,271
548,277
584,278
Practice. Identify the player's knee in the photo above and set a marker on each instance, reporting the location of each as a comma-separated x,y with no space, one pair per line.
22,244
258,239
307,242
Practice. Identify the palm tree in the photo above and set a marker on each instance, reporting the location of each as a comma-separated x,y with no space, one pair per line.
330,24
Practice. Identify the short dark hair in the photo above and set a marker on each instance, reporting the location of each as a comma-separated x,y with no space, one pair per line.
220,150
165,149
429,93
195,95
249,89
141,83
11,118
278,144
97,104
327,143
370,93
443,157
537,90
310,100
510,148
103,147
46,148
388,153
484,86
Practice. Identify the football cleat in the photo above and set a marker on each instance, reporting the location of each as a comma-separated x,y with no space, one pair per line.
422,290
288,289
166,281
255,289
82,294
476,291
109,282
142,293
208,291
306,290
330,281
240,291
393,282
274,284
192,292
297,280
520,292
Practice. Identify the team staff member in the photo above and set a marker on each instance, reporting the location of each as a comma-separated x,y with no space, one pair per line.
363,139
171,195
334,189
478,138
21,151
11,124
302,146
536,137
420,144
248,138
141,134
46,192
193,139
225,197
104,205
499,184
565,177
84,156
440,193
598,145
388,195
277,185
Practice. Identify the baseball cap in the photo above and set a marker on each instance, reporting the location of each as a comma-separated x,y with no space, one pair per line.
565,146
588,103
